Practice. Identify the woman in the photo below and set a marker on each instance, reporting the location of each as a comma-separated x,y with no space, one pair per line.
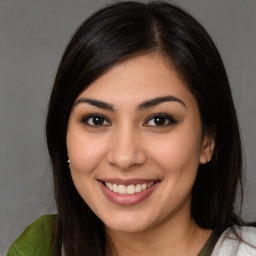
144,142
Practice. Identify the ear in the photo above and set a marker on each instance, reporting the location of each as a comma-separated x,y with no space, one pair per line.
207,148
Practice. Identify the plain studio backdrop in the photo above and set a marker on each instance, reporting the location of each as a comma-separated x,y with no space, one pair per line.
33,35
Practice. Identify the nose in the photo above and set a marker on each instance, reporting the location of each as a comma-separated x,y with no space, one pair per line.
126,150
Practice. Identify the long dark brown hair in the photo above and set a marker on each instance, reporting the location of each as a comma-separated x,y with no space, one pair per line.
121,31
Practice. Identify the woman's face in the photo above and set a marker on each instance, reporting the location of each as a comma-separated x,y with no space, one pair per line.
134,142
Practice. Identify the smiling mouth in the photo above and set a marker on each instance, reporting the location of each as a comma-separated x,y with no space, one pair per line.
130,189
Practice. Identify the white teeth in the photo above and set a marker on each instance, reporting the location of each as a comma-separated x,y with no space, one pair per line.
144,186
150,184
138,188
115,188
130,190
109,185
122,189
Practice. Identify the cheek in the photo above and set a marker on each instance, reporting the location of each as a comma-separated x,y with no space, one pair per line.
85,155
178,151
84,152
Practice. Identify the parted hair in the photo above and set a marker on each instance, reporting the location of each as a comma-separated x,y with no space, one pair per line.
121,31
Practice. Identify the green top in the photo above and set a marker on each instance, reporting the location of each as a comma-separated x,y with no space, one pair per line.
37,240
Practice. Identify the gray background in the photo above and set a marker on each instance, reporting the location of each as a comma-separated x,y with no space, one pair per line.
33,35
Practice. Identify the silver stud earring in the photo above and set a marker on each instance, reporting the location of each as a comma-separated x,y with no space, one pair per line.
68,161
208,160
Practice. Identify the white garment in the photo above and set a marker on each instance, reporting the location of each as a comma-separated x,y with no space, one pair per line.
229,245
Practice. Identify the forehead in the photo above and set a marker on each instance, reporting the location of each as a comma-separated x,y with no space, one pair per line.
137,79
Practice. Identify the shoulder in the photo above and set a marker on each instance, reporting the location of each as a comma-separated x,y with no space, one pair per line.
237,240
36,239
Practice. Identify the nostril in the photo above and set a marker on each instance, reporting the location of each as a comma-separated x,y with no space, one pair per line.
126,158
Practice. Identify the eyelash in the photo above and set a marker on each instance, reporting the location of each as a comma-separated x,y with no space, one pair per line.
85,120
168,120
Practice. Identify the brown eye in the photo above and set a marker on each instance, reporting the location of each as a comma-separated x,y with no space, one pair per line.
160,120
95,120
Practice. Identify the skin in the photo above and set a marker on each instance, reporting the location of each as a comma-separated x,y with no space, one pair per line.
130,144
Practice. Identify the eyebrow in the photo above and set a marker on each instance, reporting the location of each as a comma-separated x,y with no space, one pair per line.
147,104
159,100
96,103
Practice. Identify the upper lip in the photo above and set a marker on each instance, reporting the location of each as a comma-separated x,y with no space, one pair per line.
127,182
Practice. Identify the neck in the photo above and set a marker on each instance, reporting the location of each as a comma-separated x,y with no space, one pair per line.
167,238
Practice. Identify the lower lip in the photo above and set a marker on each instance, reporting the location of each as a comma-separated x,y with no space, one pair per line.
127,200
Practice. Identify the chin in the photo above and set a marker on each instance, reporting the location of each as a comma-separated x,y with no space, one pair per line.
125,228
129,224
